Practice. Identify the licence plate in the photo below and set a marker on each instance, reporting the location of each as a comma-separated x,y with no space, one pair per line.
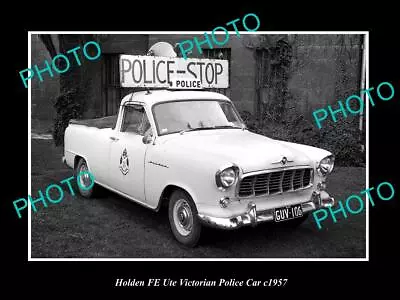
288,213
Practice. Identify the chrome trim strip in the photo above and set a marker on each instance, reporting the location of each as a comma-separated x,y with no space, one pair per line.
157,164
281,182
274,169
292,181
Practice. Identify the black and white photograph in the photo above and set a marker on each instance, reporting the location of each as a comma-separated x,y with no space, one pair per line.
195,146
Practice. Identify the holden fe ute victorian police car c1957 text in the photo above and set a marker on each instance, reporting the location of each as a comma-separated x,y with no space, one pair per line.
191,151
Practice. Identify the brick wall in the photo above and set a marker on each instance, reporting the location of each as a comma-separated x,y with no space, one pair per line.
325,69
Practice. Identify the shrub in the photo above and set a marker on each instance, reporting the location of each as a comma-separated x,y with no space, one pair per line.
67,107
342,138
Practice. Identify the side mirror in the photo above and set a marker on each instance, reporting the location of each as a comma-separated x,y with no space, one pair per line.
147,138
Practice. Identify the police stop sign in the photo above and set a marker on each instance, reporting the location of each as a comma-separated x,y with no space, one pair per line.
158,71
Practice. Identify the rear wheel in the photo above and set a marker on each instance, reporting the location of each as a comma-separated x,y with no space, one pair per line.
86,186
182,215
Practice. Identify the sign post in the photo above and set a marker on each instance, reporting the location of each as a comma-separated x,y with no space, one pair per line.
174,73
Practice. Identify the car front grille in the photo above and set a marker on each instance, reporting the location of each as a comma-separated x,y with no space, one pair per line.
275,182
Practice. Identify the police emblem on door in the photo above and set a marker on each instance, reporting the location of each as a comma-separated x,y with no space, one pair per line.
124,162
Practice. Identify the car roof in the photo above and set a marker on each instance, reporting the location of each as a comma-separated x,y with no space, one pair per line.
158,96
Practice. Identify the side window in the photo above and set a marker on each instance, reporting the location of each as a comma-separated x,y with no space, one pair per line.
135,120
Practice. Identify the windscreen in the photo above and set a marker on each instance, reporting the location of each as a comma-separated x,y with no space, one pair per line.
177,116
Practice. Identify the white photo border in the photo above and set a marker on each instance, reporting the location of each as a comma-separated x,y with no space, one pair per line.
366,53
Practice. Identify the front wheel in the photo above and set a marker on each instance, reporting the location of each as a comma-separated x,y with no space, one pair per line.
182,214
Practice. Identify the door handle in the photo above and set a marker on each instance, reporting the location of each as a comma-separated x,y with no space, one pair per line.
114,138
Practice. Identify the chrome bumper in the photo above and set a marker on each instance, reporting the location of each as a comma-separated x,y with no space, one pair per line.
320,199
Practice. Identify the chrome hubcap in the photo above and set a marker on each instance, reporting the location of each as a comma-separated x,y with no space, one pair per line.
183,217
84,178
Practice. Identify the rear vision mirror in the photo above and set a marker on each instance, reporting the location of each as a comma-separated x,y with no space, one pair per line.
147,138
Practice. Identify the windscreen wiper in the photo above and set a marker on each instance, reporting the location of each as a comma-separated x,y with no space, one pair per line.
209,127
226,126
194,129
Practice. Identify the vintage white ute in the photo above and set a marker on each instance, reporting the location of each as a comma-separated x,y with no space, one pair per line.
190,150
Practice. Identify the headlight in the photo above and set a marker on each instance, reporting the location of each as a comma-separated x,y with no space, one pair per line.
226,177
325,166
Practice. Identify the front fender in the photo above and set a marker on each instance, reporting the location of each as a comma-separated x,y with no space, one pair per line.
193,173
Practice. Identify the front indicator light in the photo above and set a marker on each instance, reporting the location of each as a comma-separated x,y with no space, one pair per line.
224,202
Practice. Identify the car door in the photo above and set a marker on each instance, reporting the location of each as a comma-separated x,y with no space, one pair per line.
128,152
